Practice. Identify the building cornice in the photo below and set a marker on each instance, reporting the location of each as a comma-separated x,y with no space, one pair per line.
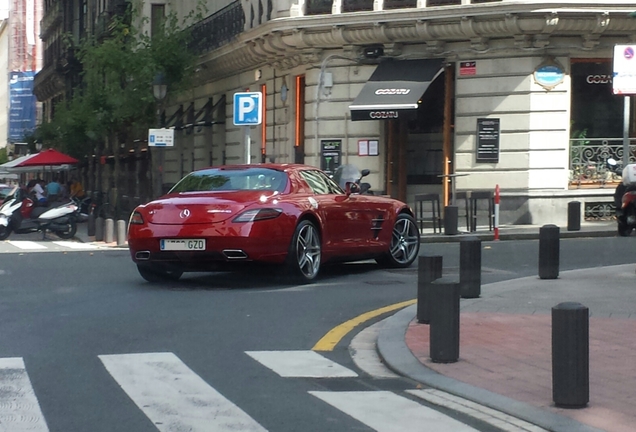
296,40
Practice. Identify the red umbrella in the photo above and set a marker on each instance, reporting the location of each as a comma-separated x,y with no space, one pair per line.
46,158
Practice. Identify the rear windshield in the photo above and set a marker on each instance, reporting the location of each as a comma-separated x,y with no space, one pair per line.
214,179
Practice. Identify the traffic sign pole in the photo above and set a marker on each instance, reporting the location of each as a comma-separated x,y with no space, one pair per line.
248,144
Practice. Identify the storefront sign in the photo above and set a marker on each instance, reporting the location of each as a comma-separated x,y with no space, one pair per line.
488,140
330,155
374,115
624,80
549,74
393,91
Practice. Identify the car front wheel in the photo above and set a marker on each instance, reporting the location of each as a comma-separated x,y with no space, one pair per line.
303,260
155,274
405,243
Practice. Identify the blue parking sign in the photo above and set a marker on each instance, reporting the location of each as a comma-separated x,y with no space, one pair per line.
247,108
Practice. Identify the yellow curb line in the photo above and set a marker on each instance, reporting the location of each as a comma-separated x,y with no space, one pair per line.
329,341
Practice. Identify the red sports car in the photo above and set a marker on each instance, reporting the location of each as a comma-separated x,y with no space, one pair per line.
223,218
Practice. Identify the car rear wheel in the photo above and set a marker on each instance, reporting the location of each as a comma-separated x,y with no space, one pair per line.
405,243
303,260
155,274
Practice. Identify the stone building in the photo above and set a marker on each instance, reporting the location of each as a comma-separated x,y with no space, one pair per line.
430,95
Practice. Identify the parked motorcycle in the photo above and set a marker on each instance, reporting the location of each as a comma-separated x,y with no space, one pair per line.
19,214
350,175
625,198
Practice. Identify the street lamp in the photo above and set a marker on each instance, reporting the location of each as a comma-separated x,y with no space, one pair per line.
38,146
159,90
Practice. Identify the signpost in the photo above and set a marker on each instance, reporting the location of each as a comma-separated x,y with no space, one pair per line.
624,83
248,111
161,138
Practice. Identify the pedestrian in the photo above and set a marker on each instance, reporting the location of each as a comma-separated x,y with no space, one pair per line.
35,187
53,189
76,189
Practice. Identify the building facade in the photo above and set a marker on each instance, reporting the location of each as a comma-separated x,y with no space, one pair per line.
430,95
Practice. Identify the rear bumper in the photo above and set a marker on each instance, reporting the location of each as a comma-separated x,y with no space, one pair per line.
225,245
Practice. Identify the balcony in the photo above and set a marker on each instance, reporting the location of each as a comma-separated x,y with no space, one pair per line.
52,17
217,29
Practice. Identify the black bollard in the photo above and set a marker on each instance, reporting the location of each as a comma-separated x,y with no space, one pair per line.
444,328
549,252
570,355
90,225
99,229
470,267
574,216
451,213
429,268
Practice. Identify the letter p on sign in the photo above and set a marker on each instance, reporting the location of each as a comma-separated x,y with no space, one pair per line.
248,109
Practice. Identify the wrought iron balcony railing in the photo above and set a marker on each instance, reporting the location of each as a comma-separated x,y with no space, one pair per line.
588,161
217,29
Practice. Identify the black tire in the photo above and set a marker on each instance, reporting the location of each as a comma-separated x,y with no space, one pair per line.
5,231
303,259
624,230
69,232
154,274
405,243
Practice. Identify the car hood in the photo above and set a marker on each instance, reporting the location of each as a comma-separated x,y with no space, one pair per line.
201,208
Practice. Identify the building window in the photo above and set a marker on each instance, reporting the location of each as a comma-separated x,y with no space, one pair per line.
317,7
357,5
157,19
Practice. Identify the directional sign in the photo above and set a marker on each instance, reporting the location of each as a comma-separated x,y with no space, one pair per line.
247,108
161,137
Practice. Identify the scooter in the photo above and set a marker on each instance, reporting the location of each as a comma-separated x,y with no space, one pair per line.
625,198
19,214
350,179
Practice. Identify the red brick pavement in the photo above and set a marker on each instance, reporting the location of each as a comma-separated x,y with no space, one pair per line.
510,354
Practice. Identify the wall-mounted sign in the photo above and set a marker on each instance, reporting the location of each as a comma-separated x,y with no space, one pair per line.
467,68
624,81
488,140
549,74
330,155
368,147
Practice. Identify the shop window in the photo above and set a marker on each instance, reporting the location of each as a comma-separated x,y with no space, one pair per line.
596,122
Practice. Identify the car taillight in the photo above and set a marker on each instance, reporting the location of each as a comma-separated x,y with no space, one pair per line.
258,215
136,219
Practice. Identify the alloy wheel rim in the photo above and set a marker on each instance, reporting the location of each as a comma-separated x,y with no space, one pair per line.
404,241
308,251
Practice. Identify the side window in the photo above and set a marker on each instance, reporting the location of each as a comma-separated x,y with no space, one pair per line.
316,182
331,184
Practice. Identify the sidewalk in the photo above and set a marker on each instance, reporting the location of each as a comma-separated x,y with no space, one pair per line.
505,349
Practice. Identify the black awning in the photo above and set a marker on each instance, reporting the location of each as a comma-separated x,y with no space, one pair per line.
395,86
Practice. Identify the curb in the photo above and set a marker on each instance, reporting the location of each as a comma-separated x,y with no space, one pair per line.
394,352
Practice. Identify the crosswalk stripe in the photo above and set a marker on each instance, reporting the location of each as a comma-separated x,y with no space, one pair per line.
19,408
173,397
26,245
75,245
300,364
384,411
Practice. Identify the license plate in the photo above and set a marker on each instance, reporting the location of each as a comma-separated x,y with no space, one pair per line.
183,244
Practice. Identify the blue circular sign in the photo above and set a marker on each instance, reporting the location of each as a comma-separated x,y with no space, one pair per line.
549,75
629,53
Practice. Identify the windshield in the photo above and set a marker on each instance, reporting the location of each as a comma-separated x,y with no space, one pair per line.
214,179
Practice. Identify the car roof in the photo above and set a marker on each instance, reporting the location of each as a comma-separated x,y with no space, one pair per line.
269,165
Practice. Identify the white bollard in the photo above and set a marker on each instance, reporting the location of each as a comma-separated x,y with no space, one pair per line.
121,232
109,231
